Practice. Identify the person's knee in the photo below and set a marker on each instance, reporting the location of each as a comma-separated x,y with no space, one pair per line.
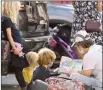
86,80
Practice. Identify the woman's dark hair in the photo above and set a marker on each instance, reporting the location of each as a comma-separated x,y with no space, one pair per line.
85,44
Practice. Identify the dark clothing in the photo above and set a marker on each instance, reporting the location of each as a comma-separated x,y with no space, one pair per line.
41,73
84,11
19,76
7,23
17,61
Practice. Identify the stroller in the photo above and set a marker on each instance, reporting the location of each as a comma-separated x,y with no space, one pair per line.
60,43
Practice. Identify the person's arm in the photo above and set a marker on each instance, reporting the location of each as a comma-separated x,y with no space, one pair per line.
8,26
9,36
41,74
87,73
89,62
11,41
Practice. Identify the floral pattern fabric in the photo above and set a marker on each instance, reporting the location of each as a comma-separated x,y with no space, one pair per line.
83,11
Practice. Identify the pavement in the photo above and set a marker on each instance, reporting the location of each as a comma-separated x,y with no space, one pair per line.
10,88
9,82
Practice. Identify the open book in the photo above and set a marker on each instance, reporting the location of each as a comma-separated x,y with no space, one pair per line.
68,65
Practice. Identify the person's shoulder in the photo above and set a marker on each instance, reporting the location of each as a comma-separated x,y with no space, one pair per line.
92,53
36,70
95,48
40,69
5,18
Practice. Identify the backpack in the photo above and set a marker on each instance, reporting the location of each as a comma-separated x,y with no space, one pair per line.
59,83
37,85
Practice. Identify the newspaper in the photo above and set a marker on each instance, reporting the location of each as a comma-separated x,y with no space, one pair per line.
67,65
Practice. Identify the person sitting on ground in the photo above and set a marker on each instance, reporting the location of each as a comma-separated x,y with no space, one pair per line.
45,61
32,58
92,60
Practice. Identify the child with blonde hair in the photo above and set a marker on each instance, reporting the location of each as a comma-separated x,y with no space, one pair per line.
32,58
45,60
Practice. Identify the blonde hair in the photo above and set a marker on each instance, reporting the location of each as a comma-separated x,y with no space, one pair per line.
46,56
32,58
11,9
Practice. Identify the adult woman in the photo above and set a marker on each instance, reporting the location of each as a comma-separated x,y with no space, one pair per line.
12,34
83,11
92,60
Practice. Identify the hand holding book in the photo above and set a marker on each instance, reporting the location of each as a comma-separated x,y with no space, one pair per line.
69,66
